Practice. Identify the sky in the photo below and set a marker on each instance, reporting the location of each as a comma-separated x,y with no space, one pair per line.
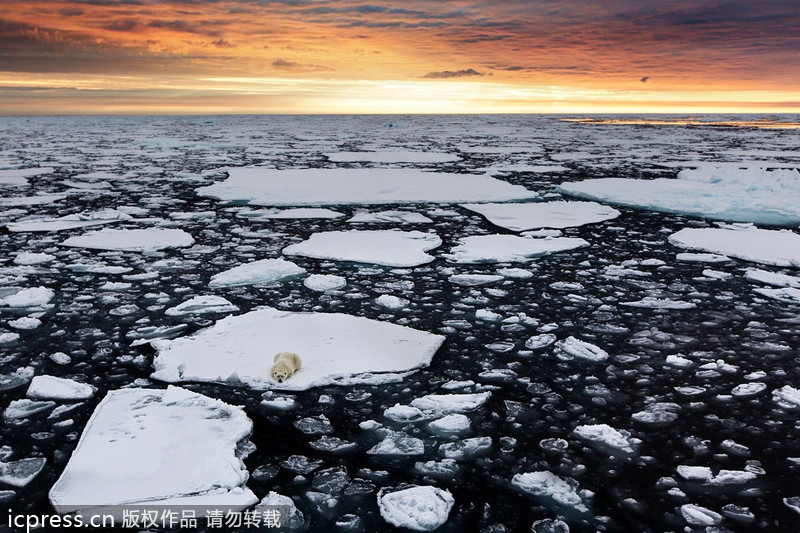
413,56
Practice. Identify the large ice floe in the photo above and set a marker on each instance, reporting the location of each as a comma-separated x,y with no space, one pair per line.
132,240
335,349
263,271
533,215
146,447
317,186
398,156
509,248
419,508
733,194
379,247
769,247
95,218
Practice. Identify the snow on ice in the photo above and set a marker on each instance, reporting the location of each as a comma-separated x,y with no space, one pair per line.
335,349
378,247
509,248
156,447
316,186
557,214
96,218
132,240
418,508
263,271
765,246
399,156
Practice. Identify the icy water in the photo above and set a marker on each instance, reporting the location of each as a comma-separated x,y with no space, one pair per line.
675,412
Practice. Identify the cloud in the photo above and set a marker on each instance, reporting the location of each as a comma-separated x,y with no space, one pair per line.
445,74
644,79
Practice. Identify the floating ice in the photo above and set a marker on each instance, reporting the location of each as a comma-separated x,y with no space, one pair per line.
699,516
33,297
787,397
398,443
784,294
539,342
419,508
202,305
317,186
465,448
80,220
659,303
18,177
379,247
473,280
293,213
391,302
557,214
324,282
39,199
156,447
548,485
20,473
258,272
132,240
31,258
442,404
54,388
770,247
450,424
290,516
25,323
390,217
607,438
509,248
772,278
335,349
19,409
736,195
399,156
571,348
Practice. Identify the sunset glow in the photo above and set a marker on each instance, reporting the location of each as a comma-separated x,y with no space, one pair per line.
306,56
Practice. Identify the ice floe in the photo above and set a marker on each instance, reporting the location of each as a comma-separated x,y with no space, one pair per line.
28,298
316,186
335,349
548,486
772,278
573,348
156,447
132,240
390,217
509,248
258,272
202,305
21,472
379,247
55,388
324,282
769,247
80,220
418,508
557,214
732,194
293,213
608,439
399,156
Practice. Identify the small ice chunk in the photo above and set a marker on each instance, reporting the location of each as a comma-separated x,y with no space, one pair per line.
508,248
290,516
393,156
55,388
769,247
451,403
18,409
548,485
696,515
379,247
659,303
403,413
132,240
473,280
33,297
25,323
787,397
391,217
607,438
539,342
31,258
258,272
419,508
466,448
556,214
20,473
783,294
772,278
398,443
202,305
324,282
391,302
451,424
572,348
748,390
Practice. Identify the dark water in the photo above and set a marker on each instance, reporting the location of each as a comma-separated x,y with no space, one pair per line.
535,397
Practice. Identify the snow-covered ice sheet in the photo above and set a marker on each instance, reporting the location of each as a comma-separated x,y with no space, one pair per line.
132,240
315,186
157,447
95,218
736,195
18,177
335,349
379,247
418,508
263,271
399,156
509,248
769,247
534,215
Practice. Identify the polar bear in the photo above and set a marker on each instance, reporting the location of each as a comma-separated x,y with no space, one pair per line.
285,365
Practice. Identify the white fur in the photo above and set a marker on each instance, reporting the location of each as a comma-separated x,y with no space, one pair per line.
285,365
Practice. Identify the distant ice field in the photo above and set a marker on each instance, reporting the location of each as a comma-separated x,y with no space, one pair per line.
484,345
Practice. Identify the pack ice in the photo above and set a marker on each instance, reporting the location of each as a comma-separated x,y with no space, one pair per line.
769,247
319,186
335,348
156,447
509,248
378,247
391,156
526,216
733,194
131,240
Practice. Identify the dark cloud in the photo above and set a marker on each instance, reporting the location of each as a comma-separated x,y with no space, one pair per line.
184,26
70,12
445,74
644,79
283,63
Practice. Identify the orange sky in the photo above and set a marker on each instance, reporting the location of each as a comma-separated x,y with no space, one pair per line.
308,56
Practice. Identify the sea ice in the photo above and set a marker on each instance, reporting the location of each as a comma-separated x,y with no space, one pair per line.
557,214
508,248
80,220
54,388
21,472
258,272
319,186
787,397
770,247
390,217
784,294
399,156
736,195
419,508
398,443
443,404
132,240
379,247
391,302
202,305
772,278
607,438
18,177
548,485
474,280
32,258
324,282
335,349
292,213
571,348
659,303
32,297
156,447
